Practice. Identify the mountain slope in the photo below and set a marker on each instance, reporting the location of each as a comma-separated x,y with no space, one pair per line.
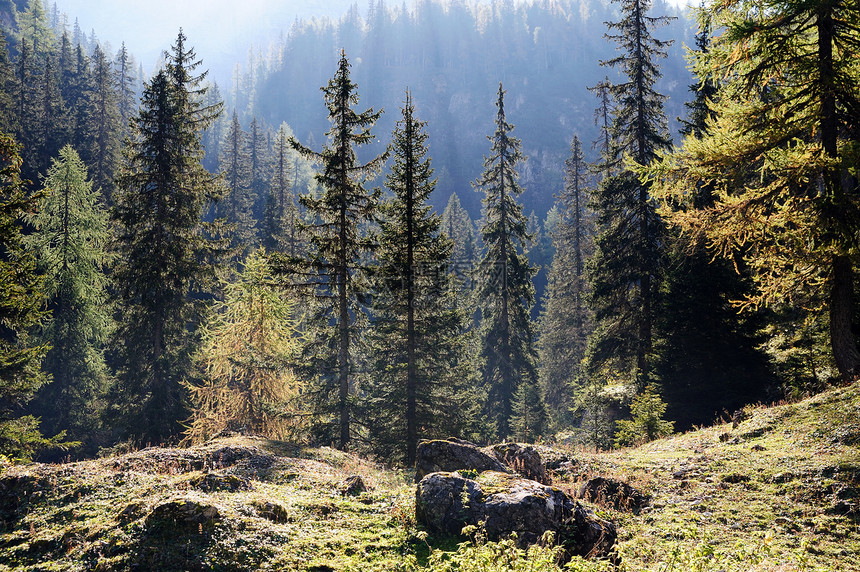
778,491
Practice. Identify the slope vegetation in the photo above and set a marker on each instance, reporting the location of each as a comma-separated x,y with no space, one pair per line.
777,490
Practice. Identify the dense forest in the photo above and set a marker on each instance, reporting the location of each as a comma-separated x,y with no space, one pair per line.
480,226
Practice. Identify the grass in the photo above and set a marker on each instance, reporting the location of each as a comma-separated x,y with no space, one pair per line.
778,492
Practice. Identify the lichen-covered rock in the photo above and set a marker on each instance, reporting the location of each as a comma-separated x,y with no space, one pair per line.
182,515
524,460
273,511
212,482
446,455
614,493
445,502
353,485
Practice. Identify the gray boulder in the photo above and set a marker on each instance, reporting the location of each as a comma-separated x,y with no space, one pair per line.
506,504
447,455
525,460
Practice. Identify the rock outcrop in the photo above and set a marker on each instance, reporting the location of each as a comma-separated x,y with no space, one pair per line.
525,460
612,493
445,455
506,504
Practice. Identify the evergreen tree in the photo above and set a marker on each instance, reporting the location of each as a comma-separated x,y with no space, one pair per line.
779,156
33,25
336,250
69,242
416,339
236,207
565,323
624,271
279,227
504,276
458,226
102,125
164,253
8,121
257,166
124,77
21,308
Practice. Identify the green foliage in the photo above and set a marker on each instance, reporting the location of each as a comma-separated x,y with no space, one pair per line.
165,257
565,322
504,280
236,206
248,342
647,423
334,271
418,383
21,308
70,245
624,272
781,156
280,225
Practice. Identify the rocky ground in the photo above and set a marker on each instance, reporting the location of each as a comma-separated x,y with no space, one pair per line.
776,490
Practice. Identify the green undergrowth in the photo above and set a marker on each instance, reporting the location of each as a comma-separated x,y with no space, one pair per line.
776,492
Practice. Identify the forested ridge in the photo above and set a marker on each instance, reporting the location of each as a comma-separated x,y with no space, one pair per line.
481,226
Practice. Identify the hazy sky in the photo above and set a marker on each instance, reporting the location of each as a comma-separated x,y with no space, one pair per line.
220,30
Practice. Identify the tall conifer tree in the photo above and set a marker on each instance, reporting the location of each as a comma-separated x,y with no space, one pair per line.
70,243
624,272
163,251
21,308
504,277
416,339
565,322
336,270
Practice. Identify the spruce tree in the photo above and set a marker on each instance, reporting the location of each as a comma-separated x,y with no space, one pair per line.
125,86
624,271
69,243
8,120
565,323
504,283
235,168
279,226
102,125
164,253
416,338
335,269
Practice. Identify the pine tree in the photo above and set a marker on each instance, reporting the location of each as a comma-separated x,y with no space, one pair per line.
504,277
336,247
565,323
21,308
778,154
164,253
69,243
416,339
624,271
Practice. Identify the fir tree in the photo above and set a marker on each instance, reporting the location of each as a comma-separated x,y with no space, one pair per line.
336,247
102,125
624,272
565,323
163,251
416,339
504,277
8,120
69,242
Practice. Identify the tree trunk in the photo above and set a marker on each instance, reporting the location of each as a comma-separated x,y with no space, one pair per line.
842,341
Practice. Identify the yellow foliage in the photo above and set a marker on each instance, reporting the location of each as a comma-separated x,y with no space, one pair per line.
245,355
